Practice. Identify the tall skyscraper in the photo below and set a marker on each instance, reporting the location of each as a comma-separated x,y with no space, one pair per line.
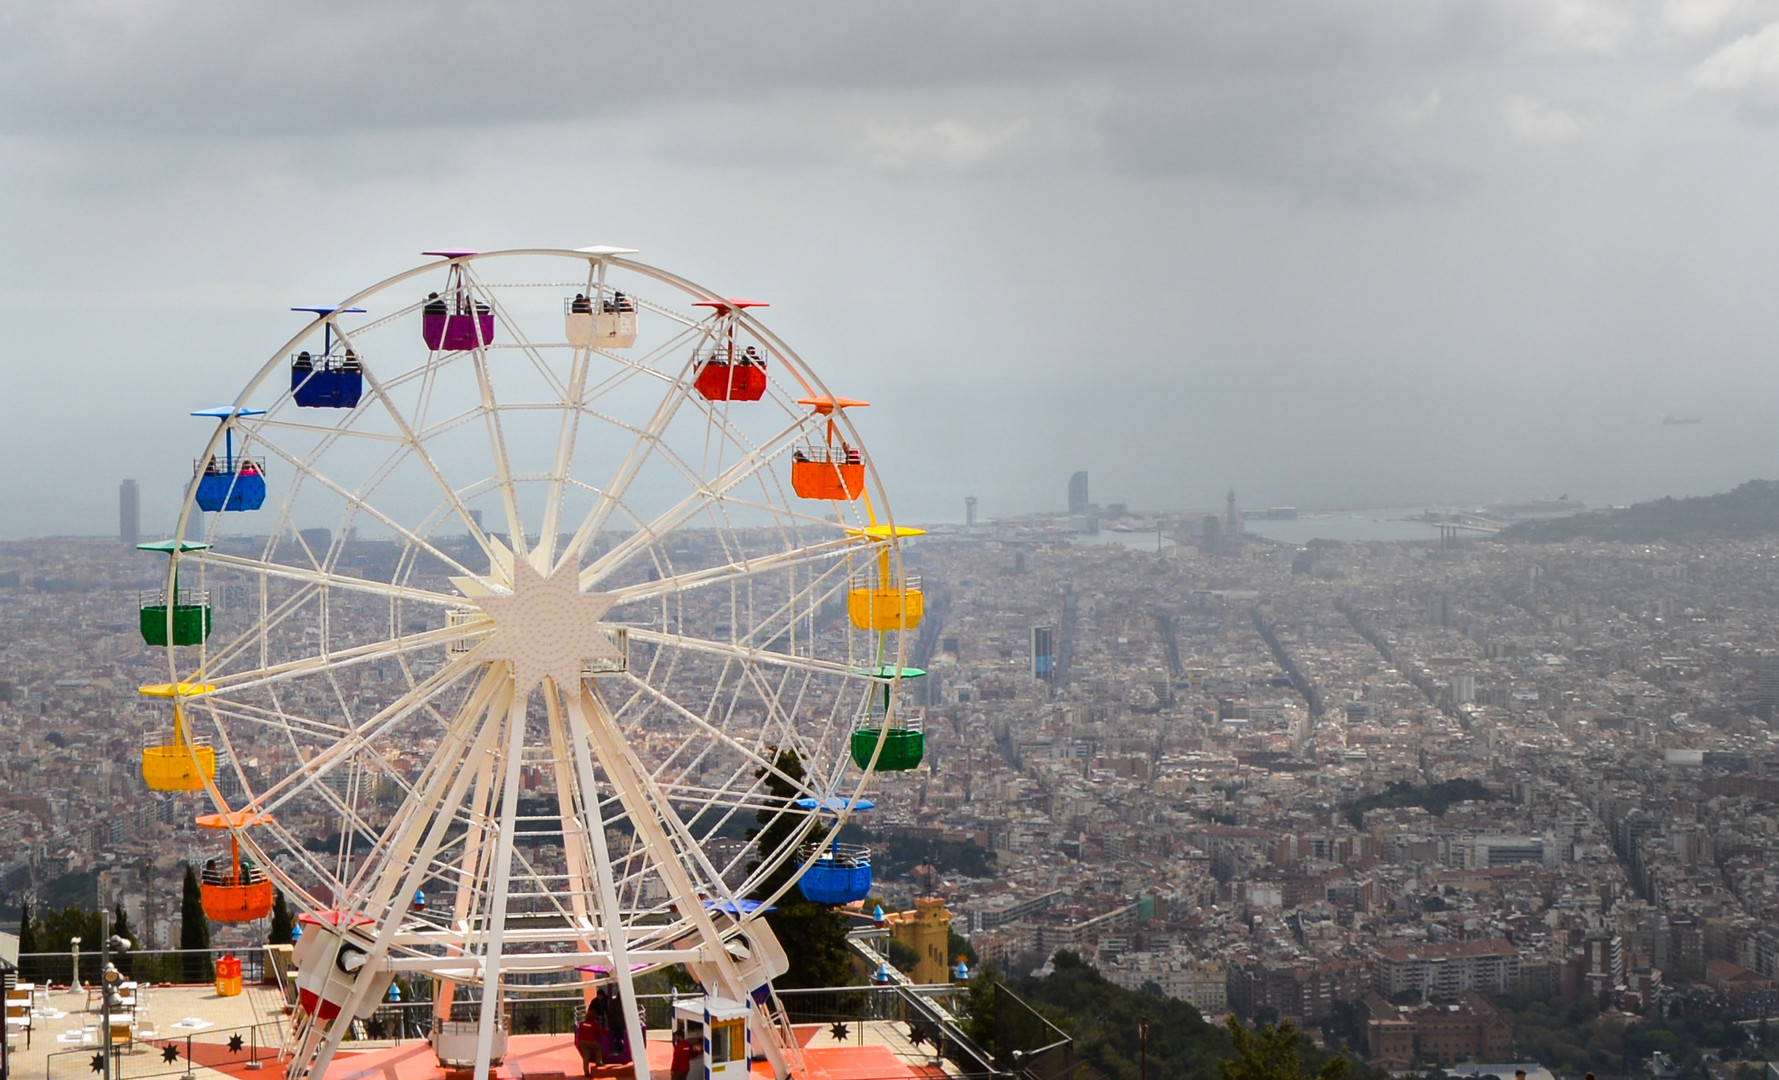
129,513
1043,653
970,511
1078,493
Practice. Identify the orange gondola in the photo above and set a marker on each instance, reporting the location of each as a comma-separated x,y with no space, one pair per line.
833,469
241,892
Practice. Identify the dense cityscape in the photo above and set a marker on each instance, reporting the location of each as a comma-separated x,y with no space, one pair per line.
1404,787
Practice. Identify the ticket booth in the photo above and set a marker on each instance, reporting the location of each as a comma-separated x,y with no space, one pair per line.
726,1044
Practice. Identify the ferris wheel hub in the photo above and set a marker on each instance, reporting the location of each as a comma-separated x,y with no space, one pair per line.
546,626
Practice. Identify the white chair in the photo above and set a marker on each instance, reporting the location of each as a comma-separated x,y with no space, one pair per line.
18,1018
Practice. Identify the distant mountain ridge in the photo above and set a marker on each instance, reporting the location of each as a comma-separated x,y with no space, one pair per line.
1747,511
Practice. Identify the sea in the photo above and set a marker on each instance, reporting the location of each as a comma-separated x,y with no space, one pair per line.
1346,526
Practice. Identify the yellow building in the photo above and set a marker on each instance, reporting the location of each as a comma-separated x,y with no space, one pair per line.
926,930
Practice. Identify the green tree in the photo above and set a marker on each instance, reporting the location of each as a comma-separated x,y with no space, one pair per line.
980,1000
814,935
57,932
282,922
1273,1053
1103,1020
901,955
194,930
957,945
29,929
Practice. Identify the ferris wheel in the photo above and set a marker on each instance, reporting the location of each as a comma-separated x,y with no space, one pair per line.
512,598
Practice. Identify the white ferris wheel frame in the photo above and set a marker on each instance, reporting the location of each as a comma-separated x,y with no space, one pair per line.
586,741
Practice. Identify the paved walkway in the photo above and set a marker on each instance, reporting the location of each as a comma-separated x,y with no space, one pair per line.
65,1033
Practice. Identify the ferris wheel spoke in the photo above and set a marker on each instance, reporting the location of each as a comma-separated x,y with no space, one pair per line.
361,506
567,431
324,431
820,552
311,773
751,754
356,655
613,493
263,716
744,654
651,532
417,447
327,579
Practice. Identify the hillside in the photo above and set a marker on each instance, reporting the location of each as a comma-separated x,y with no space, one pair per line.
1749,510
1103,1020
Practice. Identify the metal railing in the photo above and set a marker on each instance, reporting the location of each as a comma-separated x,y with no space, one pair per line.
185,597
145,1055
327,363
869,579
244,466
818,454
177,966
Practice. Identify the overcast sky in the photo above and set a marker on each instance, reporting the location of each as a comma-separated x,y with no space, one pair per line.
1355,253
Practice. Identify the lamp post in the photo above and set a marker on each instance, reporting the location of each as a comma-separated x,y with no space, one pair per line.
74,980
108,980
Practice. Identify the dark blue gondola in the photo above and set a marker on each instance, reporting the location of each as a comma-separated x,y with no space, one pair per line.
230,483
327,381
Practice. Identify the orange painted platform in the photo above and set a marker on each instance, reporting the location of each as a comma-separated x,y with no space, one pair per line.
553,1057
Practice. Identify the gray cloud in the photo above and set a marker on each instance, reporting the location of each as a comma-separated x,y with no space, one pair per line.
1371,251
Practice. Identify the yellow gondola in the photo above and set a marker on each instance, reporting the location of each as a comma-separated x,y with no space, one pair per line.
177,762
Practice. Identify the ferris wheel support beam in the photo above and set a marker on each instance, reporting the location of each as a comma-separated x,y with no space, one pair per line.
474,852
426,826
510,768
595,724
610,917
576,831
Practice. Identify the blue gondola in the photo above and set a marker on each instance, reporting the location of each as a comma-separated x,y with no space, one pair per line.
230,483
327,381
842,875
